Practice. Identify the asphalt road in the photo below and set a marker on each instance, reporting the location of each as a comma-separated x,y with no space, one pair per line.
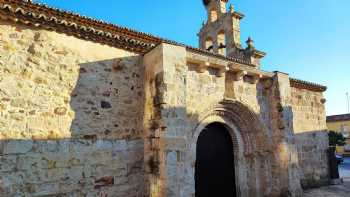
344,169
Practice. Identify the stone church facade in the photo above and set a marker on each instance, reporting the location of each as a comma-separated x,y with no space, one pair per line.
89,108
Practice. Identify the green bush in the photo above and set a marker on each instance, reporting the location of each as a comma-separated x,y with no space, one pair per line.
336,139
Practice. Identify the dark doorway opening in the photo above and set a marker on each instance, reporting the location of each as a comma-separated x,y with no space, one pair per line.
214,170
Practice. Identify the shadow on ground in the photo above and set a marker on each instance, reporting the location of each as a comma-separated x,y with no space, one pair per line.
330,191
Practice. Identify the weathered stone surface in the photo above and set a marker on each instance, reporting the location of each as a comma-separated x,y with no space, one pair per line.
68,166
311,139
17,147
52,91
57,76
60,111
185,100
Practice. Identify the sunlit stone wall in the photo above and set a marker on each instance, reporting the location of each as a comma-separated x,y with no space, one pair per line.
70,116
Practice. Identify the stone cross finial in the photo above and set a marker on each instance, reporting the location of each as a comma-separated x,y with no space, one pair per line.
250,43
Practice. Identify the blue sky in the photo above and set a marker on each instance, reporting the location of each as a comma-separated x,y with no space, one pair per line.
309,39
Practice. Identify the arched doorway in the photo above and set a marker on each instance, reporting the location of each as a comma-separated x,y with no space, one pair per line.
214,168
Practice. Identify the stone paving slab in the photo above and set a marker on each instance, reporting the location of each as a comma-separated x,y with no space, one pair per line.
330,191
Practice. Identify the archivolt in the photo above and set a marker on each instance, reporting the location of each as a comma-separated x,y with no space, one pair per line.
248,123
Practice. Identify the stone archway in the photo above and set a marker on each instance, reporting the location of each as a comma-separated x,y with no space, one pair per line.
214,167
251,147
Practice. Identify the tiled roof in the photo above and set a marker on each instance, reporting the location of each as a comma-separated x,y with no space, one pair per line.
336,118
297,83
43,16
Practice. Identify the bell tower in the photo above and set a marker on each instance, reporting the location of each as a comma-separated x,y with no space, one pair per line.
221,32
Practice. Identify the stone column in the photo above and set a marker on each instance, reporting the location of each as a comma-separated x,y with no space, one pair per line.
287,168
165,119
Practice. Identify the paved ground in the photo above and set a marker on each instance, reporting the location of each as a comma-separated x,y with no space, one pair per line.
331,191
344,168
335,190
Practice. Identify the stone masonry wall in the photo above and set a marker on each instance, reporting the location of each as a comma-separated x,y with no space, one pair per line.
215,89
71,116
71,167
311,138
182,96
308,110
